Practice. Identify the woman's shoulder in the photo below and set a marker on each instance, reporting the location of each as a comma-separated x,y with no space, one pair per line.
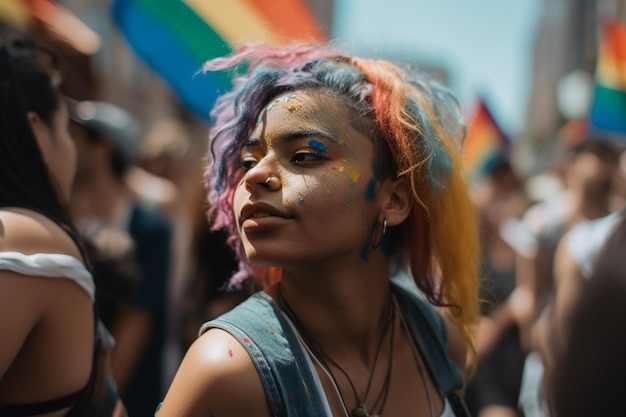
29,232
221,351
584,241
217,375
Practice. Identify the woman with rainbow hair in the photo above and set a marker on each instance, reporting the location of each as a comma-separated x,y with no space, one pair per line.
337,178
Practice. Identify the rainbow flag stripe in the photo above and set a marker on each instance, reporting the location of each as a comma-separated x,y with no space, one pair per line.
608,106
484,140
175,37
15,13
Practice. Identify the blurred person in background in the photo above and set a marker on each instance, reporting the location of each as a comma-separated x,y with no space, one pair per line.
575,261
212,264
54,354
588,171
202,260
133,237
494,391
589,360
619,192
167,152
169,171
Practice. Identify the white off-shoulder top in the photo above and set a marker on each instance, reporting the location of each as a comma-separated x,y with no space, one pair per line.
50,265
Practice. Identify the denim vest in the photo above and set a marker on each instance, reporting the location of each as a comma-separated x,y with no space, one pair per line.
283,366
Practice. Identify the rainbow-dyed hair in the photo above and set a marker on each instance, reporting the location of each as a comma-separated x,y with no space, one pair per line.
416,122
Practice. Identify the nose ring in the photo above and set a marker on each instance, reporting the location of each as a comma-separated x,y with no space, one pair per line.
272,182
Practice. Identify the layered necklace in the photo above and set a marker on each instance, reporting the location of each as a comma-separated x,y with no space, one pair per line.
327,363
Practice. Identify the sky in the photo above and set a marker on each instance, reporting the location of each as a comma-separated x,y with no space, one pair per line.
484,45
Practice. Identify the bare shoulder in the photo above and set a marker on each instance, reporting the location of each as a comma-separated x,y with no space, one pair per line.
564,263
217,377
29,232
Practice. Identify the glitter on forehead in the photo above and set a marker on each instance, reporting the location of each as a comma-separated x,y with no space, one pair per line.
284,102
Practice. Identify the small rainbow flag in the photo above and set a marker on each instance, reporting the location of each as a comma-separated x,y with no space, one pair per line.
484,141
175,37
608,106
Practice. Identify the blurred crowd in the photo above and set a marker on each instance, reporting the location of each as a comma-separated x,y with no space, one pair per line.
545,239
160,272
139,199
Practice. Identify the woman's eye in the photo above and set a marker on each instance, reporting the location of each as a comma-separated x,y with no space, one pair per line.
304,157
248,162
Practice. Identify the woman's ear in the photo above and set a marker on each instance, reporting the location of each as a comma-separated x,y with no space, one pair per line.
40,131
396,201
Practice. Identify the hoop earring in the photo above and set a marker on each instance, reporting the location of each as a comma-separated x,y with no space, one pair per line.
376,242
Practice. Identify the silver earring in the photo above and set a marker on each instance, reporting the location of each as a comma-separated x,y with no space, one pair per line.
376,241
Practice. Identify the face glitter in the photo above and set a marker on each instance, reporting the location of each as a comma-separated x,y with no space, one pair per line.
352,173
283,99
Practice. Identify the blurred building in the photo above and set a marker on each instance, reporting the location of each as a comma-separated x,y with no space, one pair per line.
566,41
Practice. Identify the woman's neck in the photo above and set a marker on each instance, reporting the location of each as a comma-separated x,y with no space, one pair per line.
586,207
343,309
105,199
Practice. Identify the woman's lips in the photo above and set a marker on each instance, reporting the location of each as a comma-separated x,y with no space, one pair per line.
259,223
258,216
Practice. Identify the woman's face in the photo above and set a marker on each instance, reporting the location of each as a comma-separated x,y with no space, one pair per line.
320,203
593,172
58,149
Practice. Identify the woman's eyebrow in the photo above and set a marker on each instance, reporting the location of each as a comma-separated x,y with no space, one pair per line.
293,135
250,142
296,134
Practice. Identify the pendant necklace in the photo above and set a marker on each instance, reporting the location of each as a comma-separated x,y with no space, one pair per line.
360,410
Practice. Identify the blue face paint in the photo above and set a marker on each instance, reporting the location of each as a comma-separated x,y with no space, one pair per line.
318,146
370,190
365,254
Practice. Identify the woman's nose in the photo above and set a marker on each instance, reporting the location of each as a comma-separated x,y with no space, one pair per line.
262,176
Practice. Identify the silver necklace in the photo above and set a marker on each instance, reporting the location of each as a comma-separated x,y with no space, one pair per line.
360,410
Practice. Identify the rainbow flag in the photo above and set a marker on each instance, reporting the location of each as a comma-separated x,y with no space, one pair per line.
484,141
175,37
15,13
608,106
